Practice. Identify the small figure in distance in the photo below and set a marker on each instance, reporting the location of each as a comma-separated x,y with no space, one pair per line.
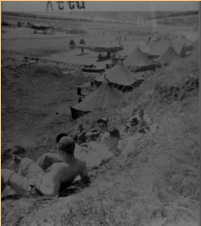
32,180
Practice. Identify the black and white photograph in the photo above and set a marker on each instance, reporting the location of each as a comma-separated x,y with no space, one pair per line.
100,113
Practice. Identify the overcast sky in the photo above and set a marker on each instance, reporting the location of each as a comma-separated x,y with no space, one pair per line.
102,6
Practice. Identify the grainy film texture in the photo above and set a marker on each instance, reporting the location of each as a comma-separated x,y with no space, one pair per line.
100,113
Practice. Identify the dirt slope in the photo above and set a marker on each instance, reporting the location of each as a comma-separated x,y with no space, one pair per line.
35,103
157,184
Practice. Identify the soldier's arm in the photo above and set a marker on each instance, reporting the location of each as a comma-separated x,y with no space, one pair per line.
53,190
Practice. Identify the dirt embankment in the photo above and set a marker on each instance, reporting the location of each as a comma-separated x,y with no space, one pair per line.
157,184
35,104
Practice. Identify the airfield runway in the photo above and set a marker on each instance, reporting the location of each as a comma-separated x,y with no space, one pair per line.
56,47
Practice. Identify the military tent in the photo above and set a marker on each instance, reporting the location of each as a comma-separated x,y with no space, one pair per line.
137,60
179,45
119,77
190,38
170,56
104,97
145,48
158,49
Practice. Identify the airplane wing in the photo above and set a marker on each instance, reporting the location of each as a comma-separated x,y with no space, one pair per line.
99,49
36,25
45,25
109,47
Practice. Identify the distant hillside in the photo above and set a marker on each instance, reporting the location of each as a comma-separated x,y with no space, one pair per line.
131,17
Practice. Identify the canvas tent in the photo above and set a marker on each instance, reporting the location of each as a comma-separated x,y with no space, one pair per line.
145,48
190,39
170,56
190,36
104,97
158,49
137,60
178,45
119,77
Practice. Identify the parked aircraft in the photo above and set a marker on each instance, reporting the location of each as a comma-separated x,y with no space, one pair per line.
108,48
3,23
42,27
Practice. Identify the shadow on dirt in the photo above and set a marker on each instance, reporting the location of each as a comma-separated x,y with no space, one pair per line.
13,197
103,59
81,54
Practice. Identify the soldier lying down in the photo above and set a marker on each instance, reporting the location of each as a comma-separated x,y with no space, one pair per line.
32,180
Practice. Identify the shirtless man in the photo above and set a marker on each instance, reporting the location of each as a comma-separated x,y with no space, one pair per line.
95,152
32,180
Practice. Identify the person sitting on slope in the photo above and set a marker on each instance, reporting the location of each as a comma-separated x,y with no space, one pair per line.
112,140
32,180
92,156
98,134
80,134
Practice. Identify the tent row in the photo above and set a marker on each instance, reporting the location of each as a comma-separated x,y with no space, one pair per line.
111,86
120,77
180,45
161,53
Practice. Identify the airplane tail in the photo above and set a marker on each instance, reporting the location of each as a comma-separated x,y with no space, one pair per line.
72,44
82,42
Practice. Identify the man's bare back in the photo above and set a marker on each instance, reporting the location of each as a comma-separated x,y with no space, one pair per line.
31,177
60,175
